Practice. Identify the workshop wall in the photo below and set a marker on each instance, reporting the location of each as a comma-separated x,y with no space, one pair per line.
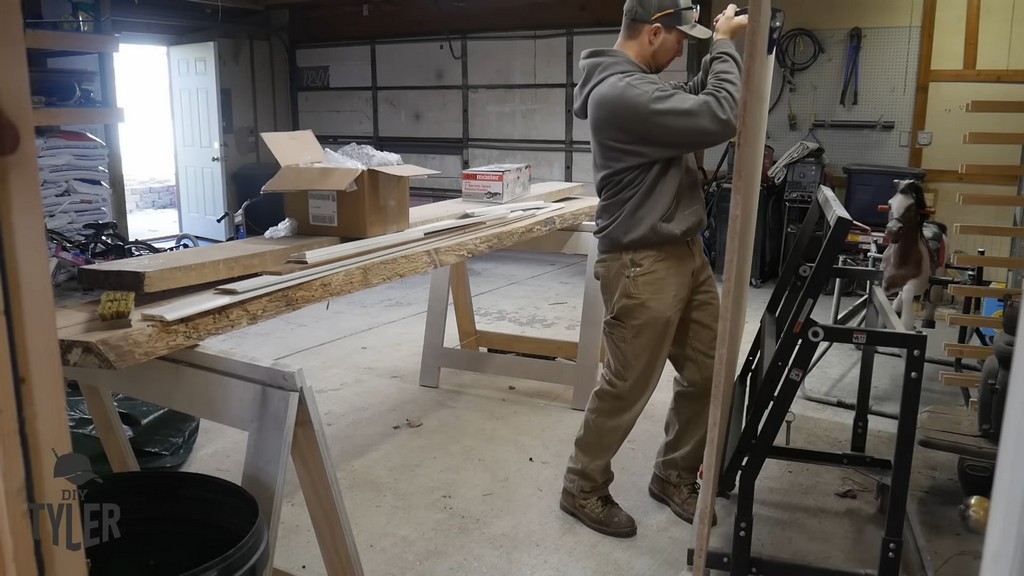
1000,47
479,99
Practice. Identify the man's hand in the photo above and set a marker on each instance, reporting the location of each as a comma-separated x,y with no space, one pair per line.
728,25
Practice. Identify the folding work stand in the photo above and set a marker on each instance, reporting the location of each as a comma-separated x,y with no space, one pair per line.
772,373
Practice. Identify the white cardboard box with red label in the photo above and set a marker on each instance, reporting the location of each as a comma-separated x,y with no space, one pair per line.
496,184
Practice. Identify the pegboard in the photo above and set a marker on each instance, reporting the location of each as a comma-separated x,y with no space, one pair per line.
888,79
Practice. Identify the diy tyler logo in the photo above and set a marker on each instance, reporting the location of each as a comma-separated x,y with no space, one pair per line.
99,521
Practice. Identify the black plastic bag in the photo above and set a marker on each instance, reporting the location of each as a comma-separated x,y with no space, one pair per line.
160,438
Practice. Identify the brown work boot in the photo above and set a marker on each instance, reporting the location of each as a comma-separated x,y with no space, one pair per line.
600,514
682,499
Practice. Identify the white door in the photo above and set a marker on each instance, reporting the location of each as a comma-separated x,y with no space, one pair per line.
195,94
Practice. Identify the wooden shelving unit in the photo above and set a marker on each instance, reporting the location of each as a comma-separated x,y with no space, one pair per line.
77,116
970,321
41,46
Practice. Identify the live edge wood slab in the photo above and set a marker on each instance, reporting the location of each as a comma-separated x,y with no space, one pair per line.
84,345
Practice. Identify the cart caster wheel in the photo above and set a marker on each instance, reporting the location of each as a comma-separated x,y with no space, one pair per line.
756,283
882,495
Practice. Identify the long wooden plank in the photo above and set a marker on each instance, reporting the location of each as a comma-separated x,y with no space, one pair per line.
959,380
197,266
989,261
753,122
981,291
973,321
955,177
449,209
982,230
34,376
976,76
968,199
997,106
966,351
992,169
39,39
117,349
1007,138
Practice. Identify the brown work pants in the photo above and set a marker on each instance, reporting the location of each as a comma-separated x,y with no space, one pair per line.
660,304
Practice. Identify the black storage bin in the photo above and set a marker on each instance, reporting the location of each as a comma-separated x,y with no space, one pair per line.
269,210
869,186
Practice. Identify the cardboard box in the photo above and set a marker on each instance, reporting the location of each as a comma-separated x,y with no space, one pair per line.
331,201
496,184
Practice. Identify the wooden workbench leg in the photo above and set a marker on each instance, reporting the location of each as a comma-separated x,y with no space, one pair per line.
588,357
319,483
433,332
462,300
266,455
109,428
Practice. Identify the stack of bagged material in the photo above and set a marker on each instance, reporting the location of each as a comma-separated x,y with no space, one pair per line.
73,180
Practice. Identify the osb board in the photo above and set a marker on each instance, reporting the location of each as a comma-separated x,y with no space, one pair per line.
197,266
83,346
449,209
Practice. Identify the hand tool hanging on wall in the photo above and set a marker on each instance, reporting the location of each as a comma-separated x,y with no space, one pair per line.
852,66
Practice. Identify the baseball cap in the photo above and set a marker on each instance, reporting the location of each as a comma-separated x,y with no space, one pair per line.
679,13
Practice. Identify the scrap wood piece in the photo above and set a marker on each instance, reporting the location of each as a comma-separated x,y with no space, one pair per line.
750,140
197,266
123,348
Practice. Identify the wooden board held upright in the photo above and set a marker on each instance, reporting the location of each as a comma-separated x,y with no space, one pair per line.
753,114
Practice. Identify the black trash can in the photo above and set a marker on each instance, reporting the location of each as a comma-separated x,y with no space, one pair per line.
172,524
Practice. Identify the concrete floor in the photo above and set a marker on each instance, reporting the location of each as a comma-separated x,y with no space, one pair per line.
474,490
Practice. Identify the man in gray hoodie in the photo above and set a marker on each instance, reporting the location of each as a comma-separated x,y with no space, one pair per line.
660,296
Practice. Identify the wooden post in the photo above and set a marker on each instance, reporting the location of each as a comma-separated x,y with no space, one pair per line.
750,141
31,382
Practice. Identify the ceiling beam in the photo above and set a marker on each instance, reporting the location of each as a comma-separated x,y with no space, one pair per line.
346,21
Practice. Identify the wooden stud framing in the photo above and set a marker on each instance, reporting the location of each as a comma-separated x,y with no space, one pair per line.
958,380
981,291
967,351
982,230
1000,138
990,200
974,76
989,261
996,106
975,321
924,77
971,38
30,331
993,169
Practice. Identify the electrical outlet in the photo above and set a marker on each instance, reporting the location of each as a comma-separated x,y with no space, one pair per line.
924,138
904,139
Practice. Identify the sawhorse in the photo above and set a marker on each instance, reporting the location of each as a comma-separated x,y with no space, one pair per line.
584,356
269,401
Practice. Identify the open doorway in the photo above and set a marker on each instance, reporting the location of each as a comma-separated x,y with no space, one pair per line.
147,141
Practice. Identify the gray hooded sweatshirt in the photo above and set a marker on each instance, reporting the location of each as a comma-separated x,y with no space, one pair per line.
644,133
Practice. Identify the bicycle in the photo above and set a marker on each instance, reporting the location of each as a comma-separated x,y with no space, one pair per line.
103,243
